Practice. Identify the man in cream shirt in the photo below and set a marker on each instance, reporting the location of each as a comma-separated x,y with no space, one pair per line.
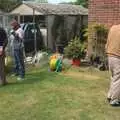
113,52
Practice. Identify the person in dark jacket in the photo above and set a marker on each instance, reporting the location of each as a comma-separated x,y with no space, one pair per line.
3,43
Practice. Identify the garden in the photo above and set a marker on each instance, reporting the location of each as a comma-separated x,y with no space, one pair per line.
69,81
75,91
78,93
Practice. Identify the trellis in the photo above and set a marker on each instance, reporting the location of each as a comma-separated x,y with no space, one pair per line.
99,40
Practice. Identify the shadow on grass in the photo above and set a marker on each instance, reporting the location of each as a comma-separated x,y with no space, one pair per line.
33,77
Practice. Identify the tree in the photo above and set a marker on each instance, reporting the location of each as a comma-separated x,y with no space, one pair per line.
7,5
38,1
84,3
41,1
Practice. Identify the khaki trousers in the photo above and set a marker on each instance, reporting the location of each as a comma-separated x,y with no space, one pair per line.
114,67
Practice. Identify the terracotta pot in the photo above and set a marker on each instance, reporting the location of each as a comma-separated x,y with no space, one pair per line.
76,62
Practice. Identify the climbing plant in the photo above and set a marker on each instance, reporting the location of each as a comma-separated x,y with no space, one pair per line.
97,36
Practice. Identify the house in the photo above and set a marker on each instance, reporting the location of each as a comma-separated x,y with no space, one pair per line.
57,18
4,20
105,12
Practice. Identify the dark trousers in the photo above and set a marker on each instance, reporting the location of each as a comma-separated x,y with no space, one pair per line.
2,70
19,62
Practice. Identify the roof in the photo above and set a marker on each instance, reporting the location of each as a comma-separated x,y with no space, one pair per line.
24,9
50,9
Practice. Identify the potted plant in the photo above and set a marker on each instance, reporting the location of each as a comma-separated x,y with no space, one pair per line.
75,51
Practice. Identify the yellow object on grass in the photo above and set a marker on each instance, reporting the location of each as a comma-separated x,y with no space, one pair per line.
8,60
53,63
8,64
54,56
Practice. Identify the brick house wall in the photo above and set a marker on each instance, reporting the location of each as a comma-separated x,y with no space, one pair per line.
104,12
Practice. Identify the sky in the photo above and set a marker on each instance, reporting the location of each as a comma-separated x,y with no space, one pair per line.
58,1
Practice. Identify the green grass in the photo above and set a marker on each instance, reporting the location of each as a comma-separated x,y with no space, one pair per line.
78,94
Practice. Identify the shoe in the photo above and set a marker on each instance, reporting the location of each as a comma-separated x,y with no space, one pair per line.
115,102
13,75
20,79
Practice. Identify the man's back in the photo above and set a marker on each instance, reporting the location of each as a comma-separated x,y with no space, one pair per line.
113,41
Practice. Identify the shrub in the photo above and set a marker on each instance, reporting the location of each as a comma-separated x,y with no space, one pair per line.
75,49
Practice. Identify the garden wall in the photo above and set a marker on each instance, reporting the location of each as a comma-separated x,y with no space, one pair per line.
105,12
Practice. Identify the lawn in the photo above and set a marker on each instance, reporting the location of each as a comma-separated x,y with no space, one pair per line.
76,94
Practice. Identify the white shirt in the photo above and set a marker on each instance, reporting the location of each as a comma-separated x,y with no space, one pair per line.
18,43
20,33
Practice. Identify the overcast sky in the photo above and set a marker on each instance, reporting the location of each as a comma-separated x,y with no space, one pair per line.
58,1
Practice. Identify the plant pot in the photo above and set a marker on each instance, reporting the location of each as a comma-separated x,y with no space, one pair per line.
76,62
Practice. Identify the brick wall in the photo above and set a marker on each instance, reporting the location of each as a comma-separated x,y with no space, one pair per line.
104,11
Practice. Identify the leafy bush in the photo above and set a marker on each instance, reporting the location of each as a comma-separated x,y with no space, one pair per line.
75,49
